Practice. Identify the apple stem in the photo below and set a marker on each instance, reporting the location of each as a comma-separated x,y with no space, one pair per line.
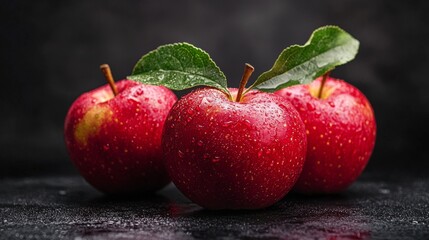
108,75
325,76
248,70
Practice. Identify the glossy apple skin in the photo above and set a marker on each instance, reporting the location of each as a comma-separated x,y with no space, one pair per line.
341,132
227,155
115,142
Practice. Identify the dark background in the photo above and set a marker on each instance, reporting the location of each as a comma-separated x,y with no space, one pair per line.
51,52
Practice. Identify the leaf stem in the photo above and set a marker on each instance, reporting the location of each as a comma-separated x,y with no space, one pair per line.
248,70
322,84
108,75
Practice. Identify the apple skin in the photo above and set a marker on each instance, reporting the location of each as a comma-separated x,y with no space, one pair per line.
223,154
341,130
115,141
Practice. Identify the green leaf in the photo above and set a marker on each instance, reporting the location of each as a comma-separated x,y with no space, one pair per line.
179,66
328,47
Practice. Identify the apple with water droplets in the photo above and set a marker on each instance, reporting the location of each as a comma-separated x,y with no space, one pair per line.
113,136
341,130
239,148
233,152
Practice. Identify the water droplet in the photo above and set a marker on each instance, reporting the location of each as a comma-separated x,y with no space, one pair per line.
206,155
139,91
215,159
106,147
296,105
159,101
317,114
310,106
190,111
133,100
268,151
260,153
94,100
227,123
181,154
200,143
288,94
206,100
247,123
332,104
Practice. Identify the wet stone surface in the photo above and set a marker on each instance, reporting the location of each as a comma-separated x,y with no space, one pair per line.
68,208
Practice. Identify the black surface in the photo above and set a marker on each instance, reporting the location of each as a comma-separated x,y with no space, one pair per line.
66,207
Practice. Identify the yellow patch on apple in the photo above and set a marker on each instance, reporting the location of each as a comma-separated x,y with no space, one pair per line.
91,122
327,91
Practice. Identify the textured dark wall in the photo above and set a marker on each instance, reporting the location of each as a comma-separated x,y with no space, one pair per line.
51,50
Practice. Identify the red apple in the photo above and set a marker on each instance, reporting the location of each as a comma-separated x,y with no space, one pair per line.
115,141
341,129
224,154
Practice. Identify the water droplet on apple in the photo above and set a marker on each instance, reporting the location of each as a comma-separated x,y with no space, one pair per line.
106,147
268,151
190,111
181,154
288,94
206,155
215,159
206,100
317,114
310,106
200,143
247,123
139,91
296,105
260,153
133,100
159,101
227,123
332,104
